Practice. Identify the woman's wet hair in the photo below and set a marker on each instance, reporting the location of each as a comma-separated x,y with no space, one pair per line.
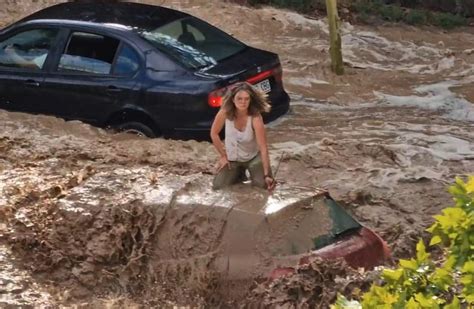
258,100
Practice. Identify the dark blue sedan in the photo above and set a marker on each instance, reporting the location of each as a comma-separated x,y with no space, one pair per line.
133,67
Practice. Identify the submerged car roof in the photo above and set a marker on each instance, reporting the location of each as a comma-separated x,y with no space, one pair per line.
135,15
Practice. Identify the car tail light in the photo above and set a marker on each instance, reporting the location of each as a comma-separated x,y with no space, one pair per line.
215,98
260,76
276,72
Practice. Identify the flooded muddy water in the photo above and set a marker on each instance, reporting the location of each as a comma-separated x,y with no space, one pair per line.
86,216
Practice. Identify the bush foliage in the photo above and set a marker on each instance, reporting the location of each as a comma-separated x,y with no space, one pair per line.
423,282
299,5
443,13
413,16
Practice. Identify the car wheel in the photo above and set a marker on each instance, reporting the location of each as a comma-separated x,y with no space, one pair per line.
136,128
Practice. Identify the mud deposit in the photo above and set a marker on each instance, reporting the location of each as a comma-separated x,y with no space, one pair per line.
93,219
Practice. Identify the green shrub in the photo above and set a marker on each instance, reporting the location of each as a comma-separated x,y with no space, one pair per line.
416,17
422,282
454,228
362,7
298,5
368,6
392,13
448,21
365,18
368,10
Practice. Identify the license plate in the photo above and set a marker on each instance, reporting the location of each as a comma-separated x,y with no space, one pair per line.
264,86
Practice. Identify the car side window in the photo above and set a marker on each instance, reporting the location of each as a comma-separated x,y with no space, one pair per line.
127,62
27,49
88,53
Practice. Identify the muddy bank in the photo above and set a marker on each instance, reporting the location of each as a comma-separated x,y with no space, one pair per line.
145,233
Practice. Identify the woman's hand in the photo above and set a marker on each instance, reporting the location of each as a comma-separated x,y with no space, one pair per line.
271,183
222,163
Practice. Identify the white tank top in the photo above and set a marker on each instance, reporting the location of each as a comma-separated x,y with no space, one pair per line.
240,146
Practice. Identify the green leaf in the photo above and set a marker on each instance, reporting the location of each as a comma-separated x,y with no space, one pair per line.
456,190
392,275
433,228
459,182
421,254
425,302
470,299
466,280
451,217
454,305
441,278
412,304
435,240
468,267
453,236
402,300
470,185
409,264
343,303
450,262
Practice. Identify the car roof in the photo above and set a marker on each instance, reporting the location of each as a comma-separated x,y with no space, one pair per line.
133,15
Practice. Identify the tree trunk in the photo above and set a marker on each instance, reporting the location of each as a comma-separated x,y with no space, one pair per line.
334,37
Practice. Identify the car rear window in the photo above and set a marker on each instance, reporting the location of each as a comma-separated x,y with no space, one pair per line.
192,42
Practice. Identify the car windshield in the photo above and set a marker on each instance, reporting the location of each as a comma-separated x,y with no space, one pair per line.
192,42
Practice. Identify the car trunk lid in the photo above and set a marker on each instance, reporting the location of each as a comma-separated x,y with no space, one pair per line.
257,67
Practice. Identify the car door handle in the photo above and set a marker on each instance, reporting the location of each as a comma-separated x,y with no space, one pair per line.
113,89
32,83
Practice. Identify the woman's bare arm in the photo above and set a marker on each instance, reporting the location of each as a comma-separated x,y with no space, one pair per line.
261,137
216,128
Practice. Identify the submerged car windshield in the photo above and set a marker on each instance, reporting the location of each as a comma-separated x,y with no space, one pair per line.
192,42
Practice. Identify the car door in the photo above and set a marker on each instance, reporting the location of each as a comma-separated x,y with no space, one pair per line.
24,55
92,77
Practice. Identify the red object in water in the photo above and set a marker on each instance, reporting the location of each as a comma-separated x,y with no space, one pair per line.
363,248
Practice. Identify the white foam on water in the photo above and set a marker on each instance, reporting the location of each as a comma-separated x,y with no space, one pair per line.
275,123
366,49
436,97
419,155
291,148
317,105
307,23
443,147
389,178
306,81
369,50
467,72
287,18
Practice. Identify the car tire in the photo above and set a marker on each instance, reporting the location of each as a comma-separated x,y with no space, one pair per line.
136,128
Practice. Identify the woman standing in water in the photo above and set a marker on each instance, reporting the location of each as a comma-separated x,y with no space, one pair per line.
245,145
